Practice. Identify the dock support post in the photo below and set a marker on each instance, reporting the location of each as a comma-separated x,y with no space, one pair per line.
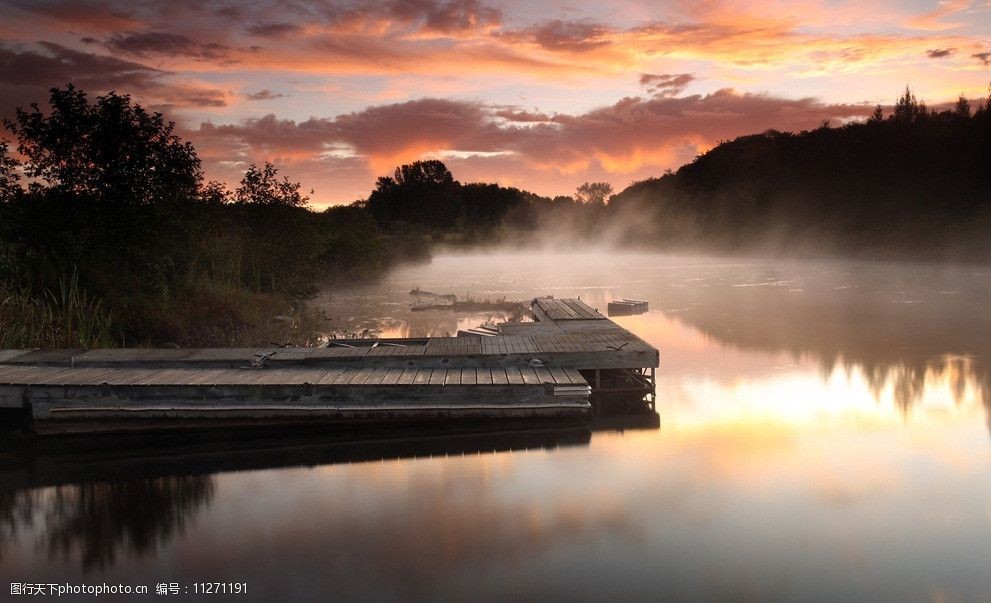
653,390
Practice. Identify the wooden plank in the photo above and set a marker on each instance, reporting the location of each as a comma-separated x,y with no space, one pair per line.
361,376
575,377
559,375
407,377
514,376
499,376
422,376
453,377
483,376
377,376
529,376
345,377
468,376
13,375
595,314
392,376
329,376
438,376
10,354
544,375
568,312
95,376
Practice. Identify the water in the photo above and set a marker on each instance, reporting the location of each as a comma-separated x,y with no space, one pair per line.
824,437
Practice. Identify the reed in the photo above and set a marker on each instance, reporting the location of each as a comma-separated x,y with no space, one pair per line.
65,318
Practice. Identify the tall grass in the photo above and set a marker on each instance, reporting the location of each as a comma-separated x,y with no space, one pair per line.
66,318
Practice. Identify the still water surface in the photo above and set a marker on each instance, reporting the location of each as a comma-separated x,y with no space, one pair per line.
824,437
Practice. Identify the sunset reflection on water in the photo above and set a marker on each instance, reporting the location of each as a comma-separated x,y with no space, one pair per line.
820,440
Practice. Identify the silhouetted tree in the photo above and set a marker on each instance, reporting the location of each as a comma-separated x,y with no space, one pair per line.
263,186
909,109
962,108
593,192
423,192
9,178
877,117
109,151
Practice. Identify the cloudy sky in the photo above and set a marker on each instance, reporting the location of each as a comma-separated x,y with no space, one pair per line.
540,95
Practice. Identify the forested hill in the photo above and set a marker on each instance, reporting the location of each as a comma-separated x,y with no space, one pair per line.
915,183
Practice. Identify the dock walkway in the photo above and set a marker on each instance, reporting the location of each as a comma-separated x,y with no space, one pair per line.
547,368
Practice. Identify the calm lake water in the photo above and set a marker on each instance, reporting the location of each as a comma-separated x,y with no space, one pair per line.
824,436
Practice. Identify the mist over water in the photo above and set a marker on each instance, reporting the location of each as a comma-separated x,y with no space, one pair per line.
824,437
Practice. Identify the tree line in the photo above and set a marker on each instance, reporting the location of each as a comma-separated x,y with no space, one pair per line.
914,183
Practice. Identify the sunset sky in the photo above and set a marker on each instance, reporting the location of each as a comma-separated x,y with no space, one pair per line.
539,95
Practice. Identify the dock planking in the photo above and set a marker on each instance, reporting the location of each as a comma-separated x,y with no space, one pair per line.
526,369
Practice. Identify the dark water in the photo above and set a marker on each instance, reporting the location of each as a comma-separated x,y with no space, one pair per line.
824,437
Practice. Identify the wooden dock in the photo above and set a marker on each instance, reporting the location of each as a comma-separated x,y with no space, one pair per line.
546,369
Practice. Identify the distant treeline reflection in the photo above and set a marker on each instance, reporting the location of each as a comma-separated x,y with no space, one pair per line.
110,235
100,520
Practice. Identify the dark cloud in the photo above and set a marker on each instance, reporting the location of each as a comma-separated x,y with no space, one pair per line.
95,16
570,36
666,84
196,97
984,57
142,44
940,53
429,122
26,75
450,17
54,64
265,94
269,134
459,15
521,116
275,30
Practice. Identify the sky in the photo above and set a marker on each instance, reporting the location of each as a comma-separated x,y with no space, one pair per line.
539,95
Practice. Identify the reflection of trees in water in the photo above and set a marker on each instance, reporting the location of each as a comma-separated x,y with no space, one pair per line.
903,327
102,520
17,510
909,381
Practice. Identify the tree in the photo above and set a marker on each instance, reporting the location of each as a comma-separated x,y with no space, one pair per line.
962,108
106,182
9,178
264,187
422,192
908,109
593,193
424,173
109,151
877,117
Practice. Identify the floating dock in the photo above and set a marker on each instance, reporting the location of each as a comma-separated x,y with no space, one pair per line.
544,370
627,307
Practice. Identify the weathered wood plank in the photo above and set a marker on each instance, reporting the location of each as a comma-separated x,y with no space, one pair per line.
407,376
498,376
329,376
